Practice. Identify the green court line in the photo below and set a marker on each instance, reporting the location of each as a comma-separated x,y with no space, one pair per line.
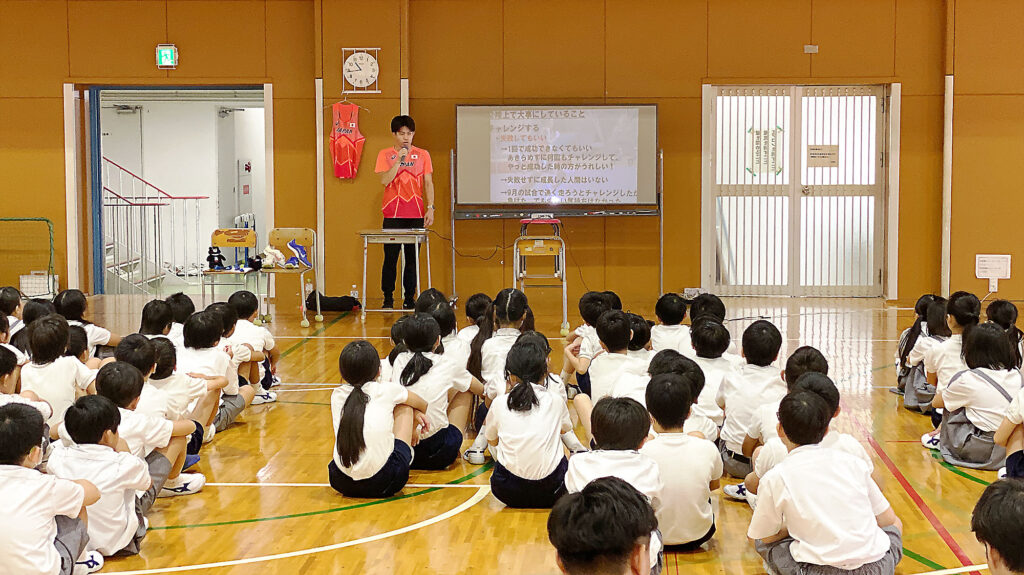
483,469
957,470
318,331
922,560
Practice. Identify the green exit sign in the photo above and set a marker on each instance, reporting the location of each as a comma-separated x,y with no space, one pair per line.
166,56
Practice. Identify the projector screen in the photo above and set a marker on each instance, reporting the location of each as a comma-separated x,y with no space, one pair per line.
557,156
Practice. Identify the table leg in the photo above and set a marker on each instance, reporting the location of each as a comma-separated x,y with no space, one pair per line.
416,251
366,299
430,283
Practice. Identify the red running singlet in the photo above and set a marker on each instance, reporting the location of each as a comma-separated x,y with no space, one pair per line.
346,141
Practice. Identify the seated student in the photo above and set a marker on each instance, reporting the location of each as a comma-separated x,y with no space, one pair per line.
917,392
10,307
505,320
161,443
157,319
1004,313
476,307
53,377
43,526
20,357
774,450
640,343
620,429
427,299
710,339
265,354
8,385
203,355
117,522
708,305
997,522
908,339
456,350
798,527
182,308
72,304
975,402
690,467
34,309
945,360
523,428
670,333
243,356
583,344
397,337
373,426
756,383
447,388
554,385
605,528
193,396
670,361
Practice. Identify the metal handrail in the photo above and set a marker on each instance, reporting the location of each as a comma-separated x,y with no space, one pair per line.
143,180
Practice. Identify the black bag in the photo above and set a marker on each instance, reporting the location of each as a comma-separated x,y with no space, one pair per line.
343,303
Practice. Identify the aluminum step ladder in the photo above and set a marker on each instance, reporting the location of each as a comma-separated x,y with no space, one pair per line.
528,246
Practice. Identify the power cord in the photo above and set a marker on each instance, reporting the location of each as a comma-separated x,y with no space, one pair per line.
497,247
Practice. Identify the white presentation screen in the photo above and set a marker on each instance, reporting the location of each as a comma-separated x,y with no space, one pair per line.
557,155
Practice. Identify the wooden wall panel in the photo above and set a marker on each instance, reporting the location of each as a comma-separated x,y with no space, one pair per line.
989,47
920,187
101,44
756,39
33,48
362,24
290,50
920,47
225,39
455,49
855,39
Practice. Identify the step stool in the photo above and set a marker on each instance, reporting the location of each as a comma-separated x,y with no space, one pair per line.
528,246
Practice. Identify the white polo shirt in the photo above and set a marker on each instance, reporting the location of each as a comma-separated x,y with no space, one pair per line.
41,406
945,360
433,387
378,425
741,394
212,361
179,395
834,526
984,406
456,350
774,451
715,369
705,426
675,337
177,336
493,354
31,501
687,466
20,356
608,369
529,442
56,383
1015,411
14,325
590,347
117,476
95,334
257,336
633,467
764,424
631,385
469,332
143,433
921,347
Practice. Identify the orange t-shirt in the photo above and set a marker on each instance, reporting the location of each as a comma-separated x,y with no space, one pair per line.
403,197
346,140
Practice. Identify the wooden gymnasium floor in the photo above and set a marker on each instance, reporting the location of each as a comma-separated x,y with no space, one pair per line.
267,508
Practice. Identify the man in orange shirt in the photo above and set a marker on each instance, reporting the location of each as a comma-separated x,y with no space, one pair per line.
405,171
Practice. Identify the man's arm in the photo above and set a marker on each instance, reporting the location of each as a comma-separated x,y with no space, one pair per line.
428,191
386,177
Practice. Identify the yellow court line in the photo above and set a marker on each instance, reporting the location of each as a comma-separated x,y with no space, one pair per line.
482,491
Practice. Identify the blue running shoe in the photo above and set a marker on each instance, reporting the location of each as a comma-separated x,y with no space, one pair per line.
300,253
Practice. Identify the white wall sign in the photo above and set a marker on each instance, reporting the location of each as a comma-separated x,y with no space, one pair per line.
764,152
992,266
822,156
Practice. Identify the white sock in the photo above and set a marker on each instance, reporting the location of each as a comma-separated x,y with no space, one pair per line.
572,443
480,443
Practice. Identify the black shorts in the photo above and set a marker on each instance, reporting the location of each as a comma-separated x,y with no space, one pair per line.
439,450
692,545
1015,464
388,481
519,493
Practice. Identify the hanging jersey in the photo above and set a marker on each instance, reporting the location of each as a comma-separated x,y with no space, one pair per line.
346,140
403,197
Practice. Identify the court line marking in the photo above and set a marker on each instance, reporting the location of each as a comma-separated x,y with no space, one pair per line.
416,485
318,331
305,390
482,492
922,559
955,570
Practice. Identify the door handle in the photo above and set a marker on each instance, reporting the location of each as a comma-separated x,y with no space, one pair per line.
805,190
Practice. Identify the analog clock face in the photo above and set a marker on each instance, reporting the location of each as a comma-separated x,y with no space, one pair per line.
360,69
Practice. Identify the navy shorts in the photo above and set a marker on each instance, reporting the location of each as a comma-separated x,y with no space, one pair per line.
519,493
481,415
388,481
1015,464
583,382
439,450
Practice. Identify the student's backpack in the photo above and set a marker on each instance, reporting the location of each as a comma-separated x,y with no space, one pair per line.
342,303
962,443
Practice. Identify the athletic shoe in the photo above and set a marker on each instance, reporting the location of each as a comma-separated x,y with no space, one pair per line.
291,263
571,391
190,460
389,303
1001,474
408,304
209,432
184,484
930,441
475,456
264,397
736,492
300,253
752,501
91,562
274,380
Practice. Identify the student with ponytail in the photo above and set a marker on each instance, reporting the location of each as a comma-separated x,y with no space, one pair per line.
943,361
448,389
72,304
907,340
1004,313
523,429
373,425
505,319
918,393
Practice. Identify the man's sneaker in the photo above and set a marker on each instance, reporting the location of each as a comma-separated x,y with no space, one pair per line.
263,396
300,253
475,456
275,381
209,432
736,492
291,263
184,484
389,303
91,562
409,304
930,441
190,460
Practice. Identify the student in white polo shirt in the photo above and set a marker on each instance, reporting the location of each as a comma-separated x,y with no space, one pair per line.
8,384
976,401
671,361
476,307
690,467
157,318
455,350
620,430
10,307
72,304
997,522
5,337
117,521
42,528
943,361
757,383
797,525
52,376
182,308
264,353
710,339
670,333
640,344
